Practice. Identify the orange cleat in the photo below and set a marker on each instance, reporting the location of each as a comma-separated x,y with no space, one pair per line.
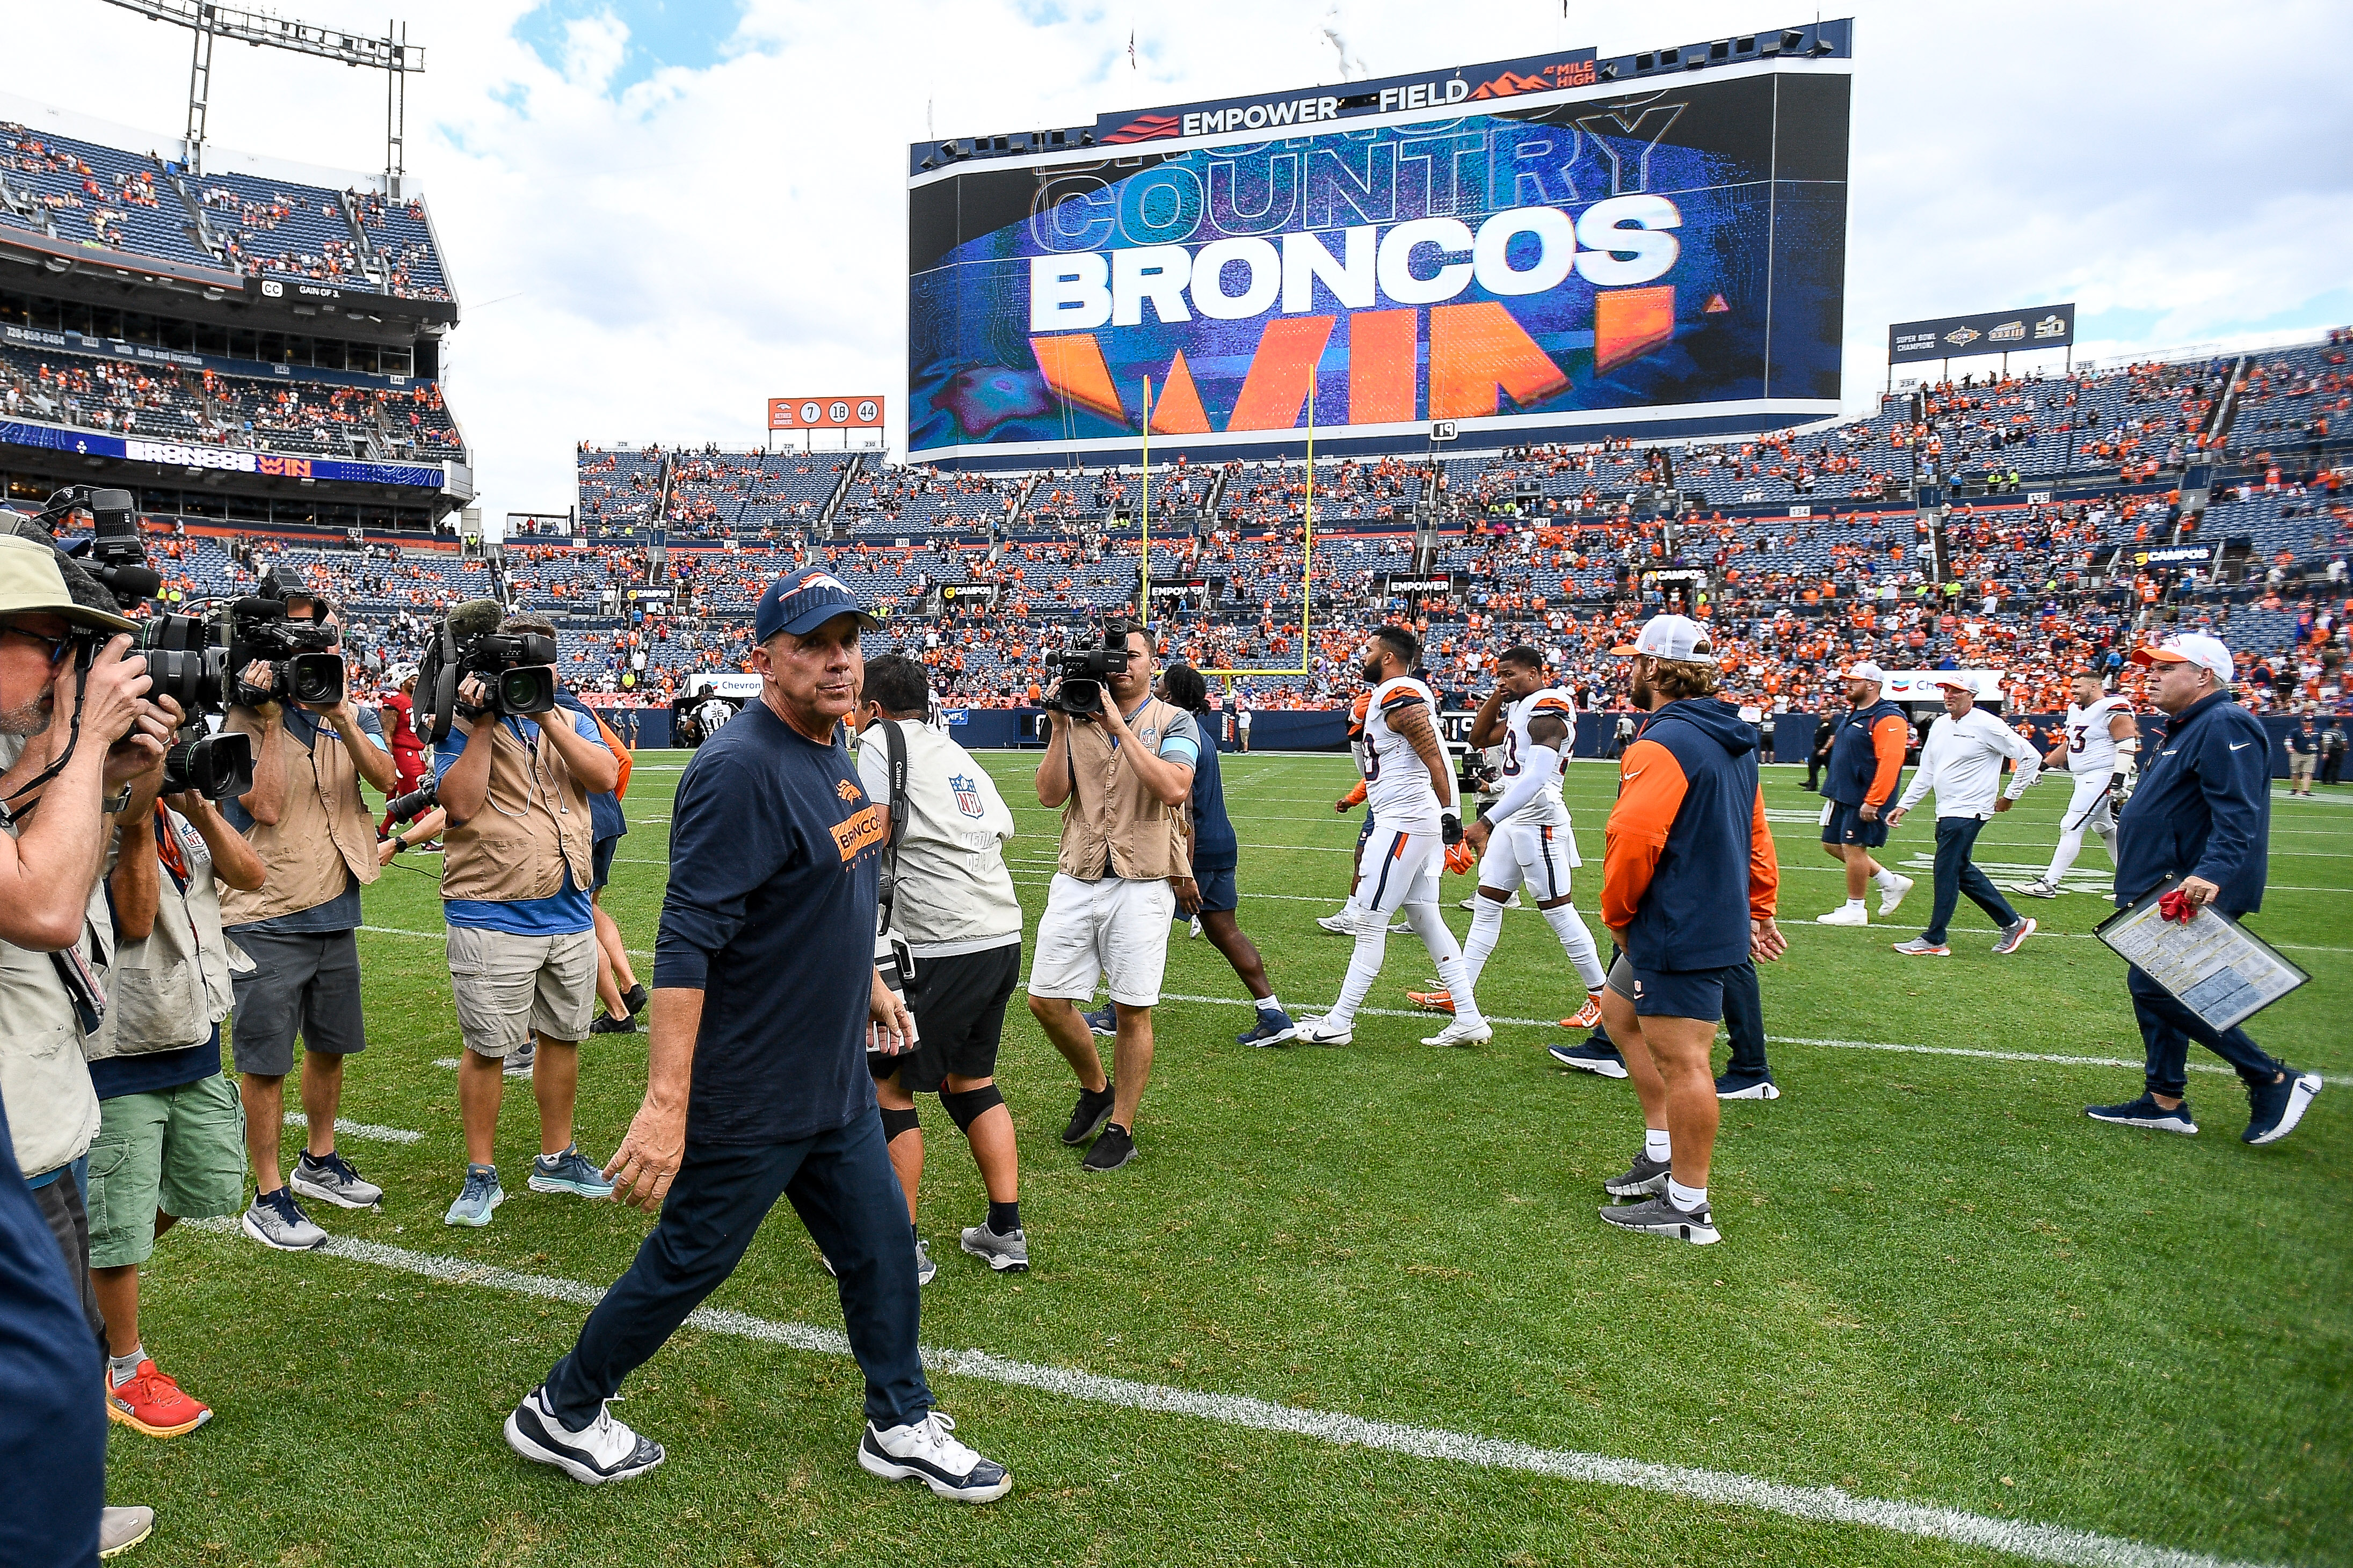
152,1402
1431,1001
1587,1016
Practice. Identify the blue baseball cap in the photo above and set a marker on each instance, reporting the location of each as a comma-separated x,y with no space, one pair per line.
800,602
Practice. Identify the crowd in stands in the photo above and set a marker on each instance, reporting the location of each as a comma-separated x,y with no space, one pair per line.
81,191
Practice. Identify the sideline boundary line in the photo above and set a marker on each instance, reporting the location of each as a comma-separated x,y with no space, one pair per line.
1820,1505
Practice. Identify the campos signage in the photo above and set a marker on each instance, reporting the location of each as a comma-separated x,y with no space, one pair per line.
824,413
968,593
1995,332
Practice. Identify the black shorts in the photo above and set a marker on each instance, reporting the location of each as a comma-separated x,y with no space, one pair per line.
305,983
1847,826
959,1007
600,863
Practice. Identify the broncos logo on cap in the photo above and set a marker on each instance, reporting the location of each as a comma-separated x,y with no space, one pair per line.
820,580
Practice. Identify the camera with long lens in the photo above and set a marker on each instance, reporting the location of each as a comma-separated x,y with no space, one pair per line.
407,809
113,555
517,668
1083,668
296,651
216,766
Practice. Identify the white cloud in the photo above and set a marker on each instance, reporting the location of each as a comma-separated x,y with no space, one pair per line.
652,261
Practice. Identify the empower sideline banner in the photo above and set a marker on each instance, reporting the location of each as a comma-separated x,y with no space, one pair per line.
1676,250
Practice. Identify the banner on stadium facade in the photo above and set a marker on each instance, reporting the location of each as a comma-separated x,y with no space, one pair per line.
824,413
1179,587
1987,333
1919,685
649,596
968,593
284,290
227,459
1402,586
1525,253
1678,574
50,340
2174,554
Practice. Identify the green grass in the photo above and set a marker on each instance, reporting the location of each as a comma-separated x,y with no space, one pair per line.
1938,1282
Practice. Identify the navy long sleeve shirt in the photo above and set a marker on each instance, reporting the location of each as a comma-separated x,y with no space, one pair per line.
2203,808
775,851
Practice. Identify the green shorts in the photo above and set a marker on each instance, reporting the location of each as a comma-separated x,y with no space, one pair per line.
179,1151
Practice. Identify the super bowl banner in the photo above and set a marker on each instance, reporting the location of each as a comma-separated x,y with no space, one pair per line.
1986,332
1607,262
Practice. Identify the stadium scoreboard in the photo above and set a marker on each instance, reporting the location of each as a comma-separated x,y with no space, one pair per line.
1550,249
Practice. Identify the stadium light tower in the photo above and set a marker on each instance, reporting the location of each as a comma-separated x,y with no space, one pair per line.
392,54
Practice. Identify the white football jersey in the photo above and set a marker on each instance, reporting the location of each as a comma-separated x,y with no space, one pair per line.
1397,780
1545,810
2090,748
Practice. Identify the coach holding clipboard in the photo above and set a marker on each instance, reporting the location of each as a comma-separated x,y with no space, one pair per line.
2204,814
765,996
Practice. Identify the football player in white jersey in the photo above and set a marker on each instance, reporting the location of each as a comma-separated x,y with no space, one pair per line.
1409,786
2101,741
1524,837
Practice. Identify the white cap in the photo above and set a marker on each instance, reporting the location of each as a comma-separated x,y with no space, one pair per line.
2191,647
1678,637
1865,670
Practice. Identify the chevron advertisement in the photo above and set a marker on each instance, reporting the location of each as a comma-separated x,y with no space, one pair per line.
1582,263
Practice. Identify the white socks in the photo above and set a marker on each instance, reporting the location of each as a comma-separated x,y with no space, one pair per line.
1685,1198
1577,942
1883,878
1269,1004
1656,1145
1486,931
1856,905
1452,972
1364,966
121,1368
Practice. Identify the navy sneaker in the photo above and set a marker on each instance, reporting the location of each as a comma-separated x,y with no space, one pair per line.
2146,1112
1589,1057
1273,1028
1746,1086
2277,1107
1104,1022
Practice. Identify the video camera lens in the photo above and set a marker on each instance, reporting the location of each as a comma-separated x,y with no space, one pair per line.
215,766
314,680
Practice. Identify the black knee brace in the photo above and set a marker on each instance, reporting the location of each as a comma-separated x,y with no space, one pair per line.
965,1106
897,1122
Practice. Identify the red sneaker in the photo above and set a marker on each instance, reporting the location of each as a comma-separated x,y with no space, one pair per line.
150,1403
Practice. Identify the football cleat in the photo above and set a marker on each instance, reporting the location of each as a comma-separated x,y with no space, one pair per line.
1322,1032
1587,1016
1459,1033
2038,889
1431,1001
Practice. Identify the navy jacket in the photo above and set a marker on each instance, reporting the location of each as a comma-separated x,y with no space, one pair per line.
1867,758
1688,860
2203,808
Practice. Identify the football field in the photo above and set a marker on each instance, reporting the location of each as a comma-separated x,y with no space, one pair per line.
1352,1305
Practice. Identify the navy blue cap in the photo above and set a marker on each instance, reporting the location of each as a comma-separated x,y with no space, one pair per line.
800,602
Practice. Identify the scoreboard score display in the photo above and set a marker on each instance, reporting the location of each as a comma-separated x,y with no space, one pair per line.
1528,249
824,413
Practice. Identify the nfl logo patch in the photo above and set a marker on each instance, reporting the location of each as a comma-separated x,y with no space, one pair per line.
968,794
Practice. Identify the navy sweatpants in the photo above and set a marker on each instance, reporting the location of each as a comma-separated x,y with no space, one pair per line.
843,1187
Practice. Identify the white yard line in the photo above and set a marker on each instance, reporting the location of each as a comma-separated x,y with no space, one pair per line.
1720,1488
360,1130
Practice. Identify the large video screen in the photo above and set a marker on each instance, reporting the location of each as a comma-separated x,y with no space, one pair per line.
1661,260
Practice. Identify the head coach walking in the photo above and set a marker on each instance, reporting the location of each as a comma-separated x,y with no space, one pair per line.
1122,780
1866,764
1689,879
2203,812
766,996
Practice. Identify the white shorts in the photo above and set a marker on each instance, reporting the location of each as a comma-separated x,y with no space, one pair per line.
1401,867
1538,855
2088,809
1115,930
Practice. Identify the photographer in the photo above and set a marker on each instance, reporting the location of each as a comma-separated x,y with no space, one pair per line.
514,894
1121,771
307,820
951,897
53,839
171,1139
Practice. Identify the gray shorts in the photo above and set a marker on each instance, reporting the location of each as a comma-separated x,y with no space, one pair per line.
510,987
305,983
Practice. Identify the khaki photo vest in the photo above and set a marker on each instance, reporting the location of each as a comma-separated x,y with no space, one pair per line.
533,832
323,829
1109,814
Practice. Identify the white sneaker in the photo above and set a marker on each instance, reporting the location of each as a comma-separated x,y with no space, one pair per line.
1844,915
1341,922
2038,889
1889,897
1194,931
605,1450
928,1451
1322,1032
1458,1033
